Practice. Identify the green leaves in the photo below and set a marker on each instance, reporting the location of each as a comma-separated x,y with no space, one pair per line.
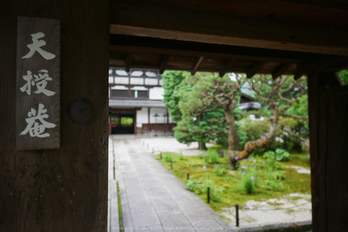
183,97
220,171
344,76
282,155
195,186
279,155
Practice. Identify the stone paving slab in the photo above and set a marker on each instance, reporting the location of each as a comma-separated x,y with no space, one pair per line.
152,198
175,221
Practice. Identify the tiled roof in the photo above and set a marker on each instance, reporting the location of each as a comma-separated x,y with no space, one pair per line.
113,103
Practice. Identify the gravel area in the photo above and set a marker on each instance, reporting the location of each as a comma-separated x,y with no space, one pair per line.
292,208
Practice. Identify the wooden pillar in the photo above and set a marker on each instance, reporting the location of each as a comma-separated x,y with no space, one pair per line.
148,119
336,174
318,191
167,121
135,121
60,189
323,126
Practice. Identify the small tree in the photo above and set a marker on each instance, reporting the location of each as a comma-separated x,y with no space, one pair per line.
183,98
224,95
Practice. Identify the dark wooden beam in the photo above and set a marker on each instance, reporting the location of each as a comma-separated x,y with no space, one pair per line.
128,61
287,10
329,79
209,27
298,75
331,64
196,65
163,63
177,52
224,69
280,70
255,69
132,86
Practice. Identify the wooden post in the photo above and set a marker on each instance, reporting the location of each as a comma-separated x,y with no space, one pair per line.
208,195
237,215
148,120
64,189
135,121
167,121
318,86
318,210
336,172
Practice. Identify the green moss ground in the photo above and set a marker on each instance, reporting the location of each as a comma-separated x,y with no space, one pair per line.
231,181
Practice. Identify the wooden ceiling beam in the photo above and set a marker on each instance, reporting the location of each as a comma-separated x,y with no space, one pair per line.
128,61
280,70
196,65
255,69
333,64
163,63
293,9
140,19
178,52
227,64
298,76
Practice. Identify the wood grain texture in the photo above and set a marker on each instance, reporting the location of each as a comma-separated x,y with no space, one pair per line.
63,189
168,22
27,100
327,102
309,12
318,208
336,101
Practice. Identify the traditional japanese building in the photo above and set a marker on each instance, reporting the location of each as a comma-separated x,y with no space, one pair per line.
135,103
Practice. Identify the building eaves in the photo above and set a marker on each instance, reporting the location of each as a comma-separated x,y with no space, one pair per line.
118,103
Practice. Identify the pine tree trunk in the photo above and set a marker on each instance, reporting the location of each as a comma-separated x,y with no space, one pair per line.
233,139
202,146
274,125
251,146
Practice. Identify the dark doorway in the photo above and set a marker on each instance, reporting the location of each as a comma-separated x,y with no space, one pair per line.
122,123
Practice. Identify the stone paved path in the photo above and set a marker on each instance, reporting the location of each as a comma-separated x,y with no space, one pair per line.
152,198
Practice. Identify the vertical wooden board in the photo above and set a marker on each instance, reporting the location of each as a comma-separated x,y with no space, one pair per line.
63,189
337,159
135,121
318,208
322,154
38,84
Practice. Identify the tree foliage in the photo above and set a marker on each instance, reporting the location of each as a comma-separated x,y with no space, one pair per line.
344,76
172,86
184,99
205,109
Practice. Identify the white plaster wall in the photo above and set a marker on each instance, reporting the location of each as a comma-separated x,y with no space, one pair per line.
156,93
142,116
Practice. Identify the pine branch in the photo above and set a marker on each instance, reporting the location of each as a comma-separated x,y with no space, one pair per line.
295,116
292,134
212,131
215,121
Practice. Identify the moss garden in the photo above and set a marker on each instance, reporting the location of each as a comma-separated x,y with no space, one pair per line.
260,177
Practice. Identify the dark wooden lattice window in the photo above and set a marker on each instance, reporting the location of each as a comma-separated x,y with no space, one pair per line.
143,94
119,93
